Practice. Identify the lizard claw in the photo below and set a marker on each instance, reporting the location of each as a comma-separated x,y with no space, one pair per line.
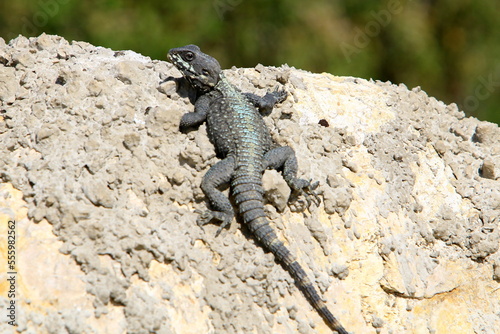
308,190
311,194
205,217
278,95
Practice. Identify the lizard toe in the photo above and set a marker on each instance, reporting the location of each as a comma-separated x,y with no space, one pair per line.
204,218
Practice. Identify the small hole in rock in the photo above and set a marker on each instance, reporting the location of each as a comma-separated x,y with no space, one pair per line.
60,81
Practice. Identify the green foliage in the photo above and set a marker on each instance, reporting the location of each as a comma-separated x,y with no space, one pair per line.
451,48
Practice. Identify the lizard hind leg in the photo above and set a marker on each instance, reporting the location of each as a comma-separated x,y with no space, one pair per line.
283,159
220,207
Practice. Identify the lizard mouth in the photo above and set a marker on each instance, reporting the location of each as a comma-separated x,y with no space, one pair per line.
173,58
178,62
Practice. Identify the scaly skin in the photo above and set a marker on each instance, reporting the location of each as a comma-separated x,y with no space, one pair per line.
244,144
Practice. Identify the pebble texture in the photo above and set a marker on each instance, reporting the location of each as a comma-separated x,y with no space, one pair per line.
103,187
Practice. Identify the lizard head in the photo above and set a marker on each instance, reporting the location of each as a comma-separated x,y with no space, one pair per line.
201,70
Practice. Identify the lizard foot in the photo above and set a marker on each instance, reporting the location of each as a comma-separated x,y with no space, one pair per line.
208,216
306,189
278,94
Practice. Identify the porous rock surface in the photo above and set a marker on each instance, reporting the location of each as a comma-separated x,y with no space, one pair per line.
103,188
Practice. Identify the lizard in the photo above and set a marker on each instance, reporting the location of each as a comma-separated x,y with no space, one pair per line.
236,128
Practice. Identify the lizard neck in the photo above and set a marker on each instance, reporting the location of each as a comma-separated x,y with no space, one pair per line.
222,84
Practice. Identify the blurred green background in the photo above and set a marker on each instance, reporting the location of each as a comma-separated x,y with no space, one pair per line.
451,48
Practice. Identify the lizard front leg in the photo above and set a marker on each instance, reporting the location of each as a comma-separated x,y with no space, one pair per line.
267,102
194,119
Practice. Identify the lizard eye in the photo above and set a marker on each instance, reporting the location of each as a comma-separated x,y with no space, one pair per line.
189,56
205,72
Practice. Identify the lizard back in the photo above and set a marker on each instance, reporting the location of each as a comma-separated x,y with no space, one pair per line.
234,125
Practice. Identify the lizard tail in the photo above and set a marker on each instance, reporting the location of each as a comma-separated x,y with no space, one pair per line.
249,199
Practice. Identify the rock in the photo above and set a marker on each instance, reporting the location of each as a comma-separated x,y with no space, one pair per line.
491,168
277,191
9,85
405,240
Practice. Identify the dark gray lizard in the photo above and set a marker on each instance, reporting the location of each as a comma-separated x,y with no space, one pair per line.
244,144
